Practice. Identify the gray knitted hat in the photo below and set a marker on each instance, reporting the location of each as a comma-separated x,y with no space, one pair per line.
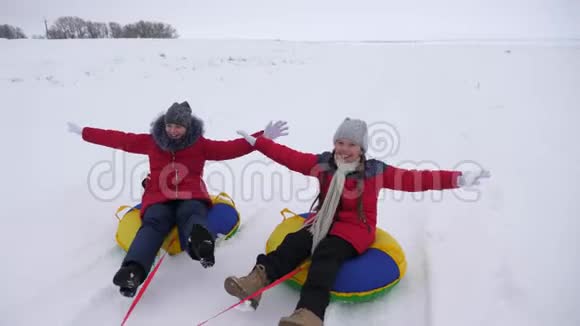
179,114
354,130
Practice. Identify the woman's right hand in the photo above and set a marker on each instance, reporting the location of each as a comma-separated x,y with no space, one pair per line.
74,128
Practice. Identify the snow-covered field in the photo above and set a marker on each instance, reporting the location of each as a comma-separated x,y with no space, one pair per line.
505,255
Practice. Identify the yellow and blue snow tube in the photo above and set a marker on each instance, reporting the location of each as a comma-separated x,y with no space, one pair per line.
362,278
223,218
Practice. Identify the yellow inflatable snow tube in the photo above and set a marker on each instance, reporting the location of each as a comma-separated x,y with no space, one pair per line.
362,278
223,218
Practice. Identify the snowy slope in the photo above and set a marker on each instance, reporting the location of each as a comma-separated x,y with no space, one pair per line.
506,255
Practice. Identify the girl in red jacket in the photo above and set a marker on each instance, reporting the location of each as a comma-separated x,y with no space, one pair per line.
344,222
176,193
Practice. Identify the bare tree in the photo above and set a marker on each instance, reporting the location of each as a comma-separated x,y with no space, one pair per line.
68,27
115,30
135,30
143,29
97,30
11,32
161,30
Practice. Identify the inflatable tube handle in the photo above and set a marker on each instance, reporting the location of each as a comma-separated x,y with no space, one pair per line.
286,211
226,196
121,209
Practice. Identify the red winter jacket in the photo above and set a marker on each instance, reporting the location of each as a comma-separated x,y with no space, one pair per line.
377,175
177,175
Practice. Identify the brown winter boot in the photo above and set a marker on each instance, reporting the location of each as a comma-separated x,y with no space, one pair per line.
245,286
301,317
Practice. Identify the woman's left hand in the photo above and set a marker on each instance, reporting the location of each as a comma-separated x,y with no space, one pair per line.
273,131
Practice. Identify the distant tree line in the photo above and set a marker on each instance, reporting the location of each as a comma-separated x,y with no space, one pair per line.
11,32
69,27
75,27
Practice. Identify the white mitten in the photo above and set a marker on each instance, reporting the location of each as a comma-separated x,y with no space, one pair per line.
272,131
249,138
276,130
472,178
74,128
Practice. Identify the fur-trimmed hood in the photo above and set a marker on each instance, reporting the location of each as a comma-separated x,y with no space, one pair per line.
192,134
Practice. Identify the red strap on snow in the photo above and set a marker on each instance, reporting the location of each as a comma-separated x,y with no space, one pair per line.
260,291
145,285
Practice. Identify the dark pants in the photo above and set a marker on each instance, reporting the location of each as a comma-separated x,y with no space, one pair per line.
158,221
331,252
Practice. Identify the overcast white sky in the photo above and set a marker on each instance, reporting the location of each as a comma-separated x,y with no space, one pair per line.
319,19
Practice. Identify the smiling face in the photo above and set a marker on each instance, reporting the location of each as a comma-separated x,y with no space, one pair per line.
347,151
175,131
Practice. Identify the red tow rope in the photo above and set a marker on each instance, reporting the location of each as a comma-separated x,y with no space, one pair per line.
145,285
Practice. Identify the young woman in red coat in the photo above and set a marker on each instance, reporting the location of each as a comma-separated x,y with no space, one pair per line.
175,194
344,223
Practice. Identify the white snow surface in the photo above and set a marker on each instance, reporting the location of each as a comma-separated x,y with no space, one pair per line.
504,254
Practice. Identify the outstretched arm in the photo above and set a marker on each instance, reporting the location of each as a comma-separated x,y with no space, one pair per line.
128,142
297,161
294,160
419,180
219,150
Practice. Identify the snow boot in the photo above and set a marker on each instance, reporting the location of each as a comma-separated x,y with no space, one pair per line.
301,317
128,278
201,246
247,285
